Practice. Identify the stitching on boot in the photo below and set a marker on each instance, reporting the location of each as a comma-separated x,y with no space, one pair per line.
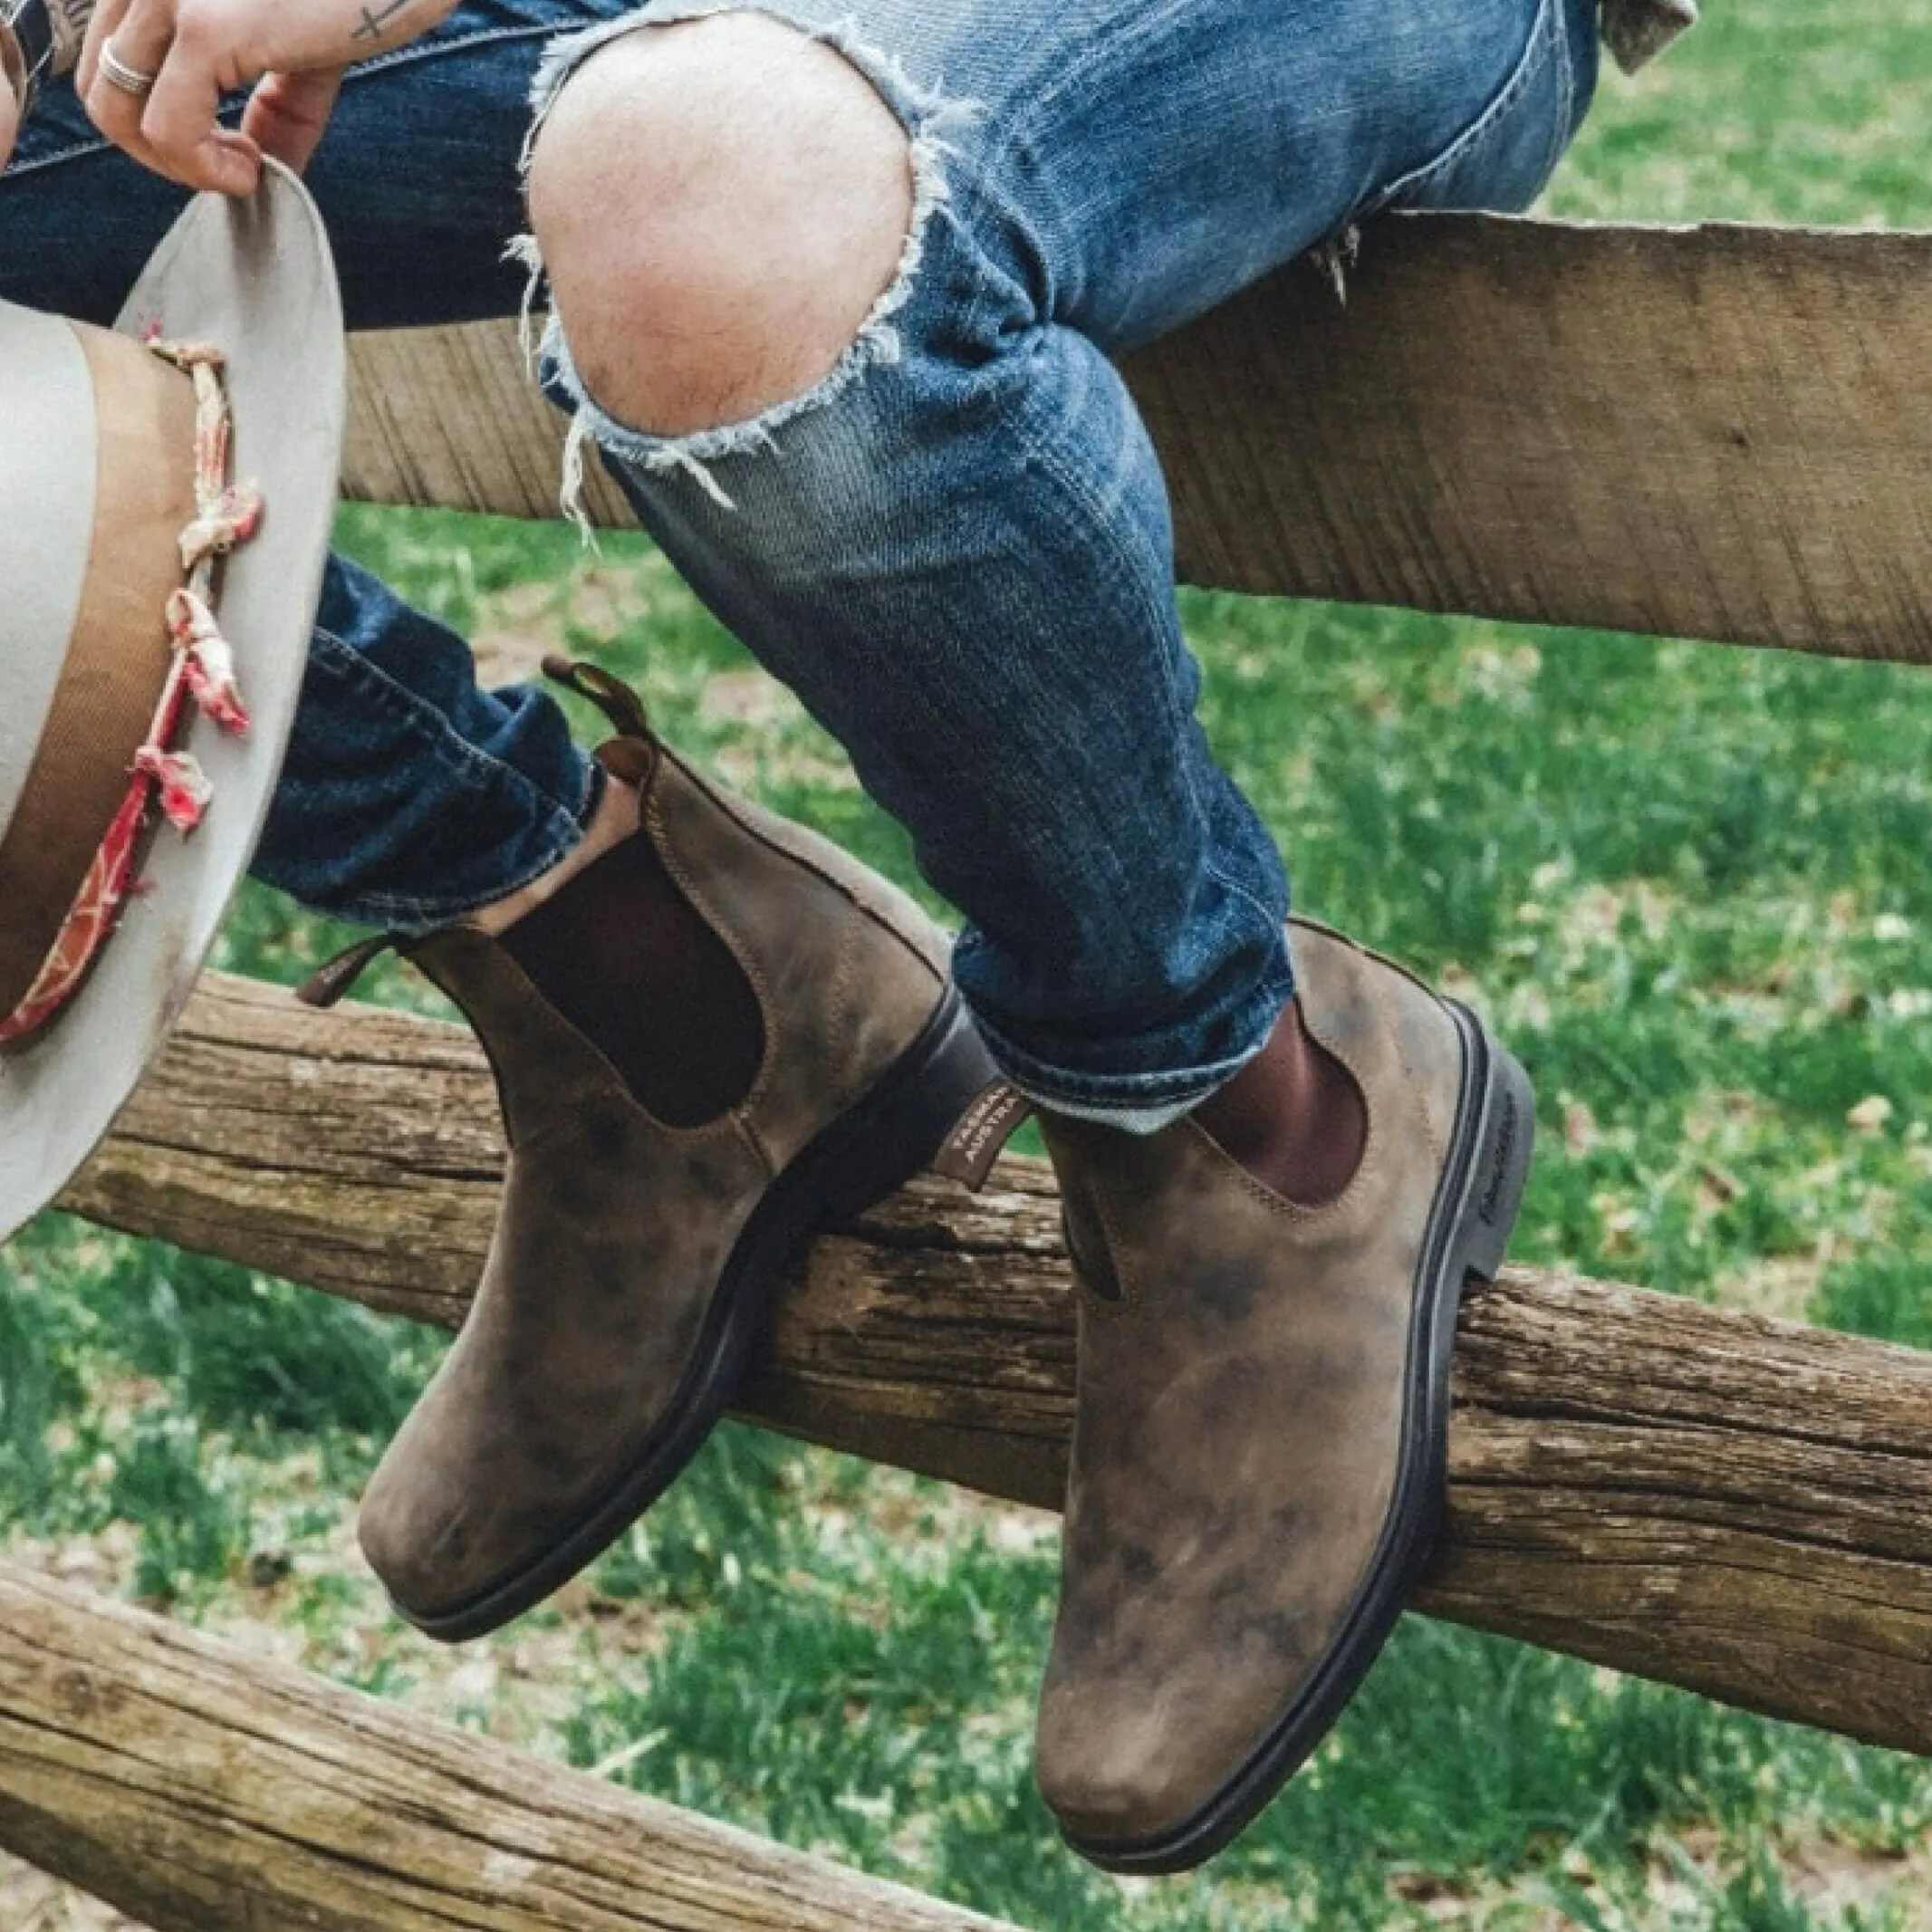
1417,1096
746,1128
1374,1141
1281,1205
844,980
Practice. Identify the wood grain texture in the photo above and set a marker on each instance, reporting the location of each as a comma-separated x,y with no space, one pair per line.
1710,1498
1710,432
203,1789
453,417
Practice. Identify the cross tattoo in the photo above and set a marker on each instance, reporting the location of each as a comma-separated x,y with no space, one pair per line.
373,24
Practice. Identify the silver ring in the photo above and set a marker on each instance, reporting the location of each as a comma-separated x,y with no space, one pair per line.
115,73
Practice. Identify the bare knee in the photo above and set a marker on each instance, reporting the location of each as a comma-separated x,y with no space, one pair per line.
719,204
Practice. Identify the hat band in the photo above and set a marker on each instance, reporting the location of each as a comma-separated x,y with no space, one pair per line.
200,672
109,675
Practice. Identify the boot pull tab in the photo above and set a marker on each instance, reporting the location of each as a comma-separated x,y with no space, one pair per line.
969,1152
612,696
333,977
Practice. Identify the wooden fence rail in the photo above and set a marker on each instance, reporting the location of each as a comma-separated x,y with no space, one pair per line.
1740,1506
203,1789
1713,432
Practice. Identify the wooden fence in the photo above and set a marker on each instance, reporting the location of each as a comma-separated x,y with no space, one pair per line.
1710,432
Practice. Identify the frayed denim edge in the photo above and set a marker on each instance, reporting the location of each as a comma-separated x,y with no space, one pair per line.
928,120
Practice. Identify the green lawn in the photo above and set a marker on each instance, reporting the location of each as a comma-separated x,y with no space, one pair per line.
1690,886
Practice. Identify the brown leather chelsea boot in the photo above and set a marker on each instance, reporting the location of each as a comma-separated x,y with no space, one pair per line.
792,1051
1264,1392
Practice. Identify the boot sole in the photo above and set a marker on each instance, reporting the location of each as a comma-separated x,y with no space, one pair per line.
877,1144
1474,1209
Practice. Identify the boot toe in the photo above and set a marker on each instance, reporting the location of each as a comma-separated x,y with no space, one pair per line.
414,1539
421,1531
1130,1772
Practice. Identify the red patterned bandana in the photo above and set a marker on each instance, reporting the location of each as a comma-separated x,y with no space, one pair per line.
200,677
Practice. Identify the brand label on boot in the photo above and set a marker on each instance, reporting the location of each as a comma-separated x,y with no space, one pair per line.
984,1128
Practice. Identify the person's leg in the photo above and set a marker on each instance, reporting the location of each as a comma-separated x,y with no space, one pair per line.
955,544
853,374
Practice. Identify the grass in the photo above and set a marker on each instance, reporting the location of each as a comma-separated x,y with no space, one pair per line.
1689,885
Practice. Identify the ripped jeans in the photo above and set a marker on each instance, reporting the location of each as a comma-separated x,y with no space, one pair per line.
957,549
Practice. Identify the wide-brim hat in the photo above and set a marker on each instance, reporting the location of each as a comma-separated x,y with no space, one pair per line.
100,443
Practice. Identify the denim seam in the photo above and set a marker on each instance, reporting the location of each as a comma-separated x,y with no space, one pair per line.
417,51
1040,450
1563,128
1540,47
1050,1086
1242,891
1015,126
1103,47
1566,83
377,63
926,116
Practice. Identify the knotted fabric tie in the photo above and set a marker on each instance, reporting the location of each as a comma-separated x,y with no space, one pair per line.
200,675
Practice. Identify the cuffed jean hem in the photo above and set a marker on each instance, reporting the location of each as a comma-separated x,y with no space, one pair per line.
411,918
508,830
1142,1102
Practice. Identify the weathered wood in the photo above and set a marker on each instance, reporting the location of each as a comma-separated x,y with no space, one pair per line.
1736,1504
203,1789
454,417
1711,432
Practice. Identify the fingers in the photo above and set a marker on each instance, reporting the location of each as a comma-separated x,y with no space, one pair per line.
107,15
288,113
177,125
169,125
9,123
195,51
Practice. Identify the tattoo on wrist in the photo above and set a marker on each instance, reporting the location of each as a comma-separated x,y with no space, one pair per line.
69,20
374,19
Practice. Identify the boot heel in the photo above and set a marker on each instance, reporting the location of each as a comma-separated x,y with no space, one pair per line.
1502,1164
908,1116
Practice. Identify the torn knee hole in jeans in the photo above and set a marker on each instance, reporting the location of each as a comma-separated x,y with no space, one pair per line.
928,119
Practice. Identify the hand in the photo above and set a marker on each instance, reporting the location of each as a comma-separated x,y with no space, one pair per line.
197,50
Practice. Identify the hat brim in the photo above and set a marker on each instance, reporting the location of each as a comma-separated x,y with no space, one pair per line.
256,278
